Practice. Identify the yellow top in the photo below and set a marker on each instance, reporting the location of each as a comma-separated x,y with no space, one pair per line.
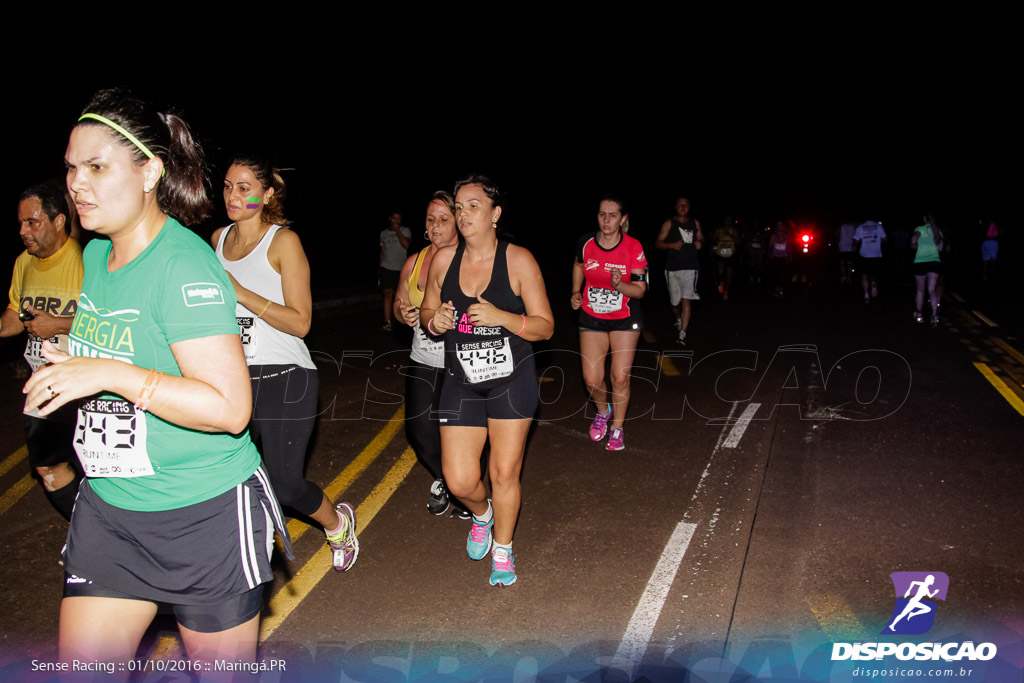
415,293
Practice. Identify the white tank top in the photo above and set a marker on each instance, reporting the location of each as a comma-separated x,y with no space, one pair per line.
426,348
263,343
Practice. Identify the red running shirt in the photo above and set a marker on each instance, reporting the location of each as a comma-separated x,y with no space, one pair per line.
599,299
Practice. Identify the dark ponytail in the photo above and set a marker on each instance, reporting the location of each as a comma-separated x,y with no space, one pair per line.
182,192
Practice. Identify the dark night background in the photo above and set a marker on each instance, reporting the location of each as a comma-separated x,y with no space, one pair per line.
802,138
822,114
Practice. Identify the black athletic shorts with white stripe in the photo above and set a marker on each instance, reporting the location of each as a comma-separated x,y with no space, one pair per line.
214,555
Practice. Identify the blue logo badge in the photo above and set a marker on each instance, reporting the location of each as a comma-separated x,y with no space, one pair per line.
914,611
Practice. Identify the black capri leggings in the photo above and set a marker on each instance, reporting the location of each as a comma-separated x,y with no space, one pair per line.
284,401
422,394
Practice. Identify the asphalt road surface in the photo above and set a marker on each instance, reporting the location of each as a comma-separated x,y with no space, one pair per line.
777,470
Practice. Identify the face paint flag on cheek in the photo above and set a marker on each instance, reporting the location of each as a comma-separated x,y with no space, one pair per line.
252,202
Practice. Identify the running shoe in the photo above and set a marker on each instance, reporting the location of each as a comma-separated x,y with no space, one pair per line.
721,289
386,327
503,567
935,319
479,541
345,544
459,513
874,291
437,504
599,427
682,338
615,440
918,318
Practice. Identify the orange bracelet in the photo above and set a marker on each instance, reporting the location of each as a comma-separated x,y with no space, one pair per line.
523,329
148,389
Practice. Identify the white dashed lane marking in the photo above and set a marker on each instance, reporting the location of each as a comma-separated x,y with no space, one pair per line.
641,626
645,616
736,433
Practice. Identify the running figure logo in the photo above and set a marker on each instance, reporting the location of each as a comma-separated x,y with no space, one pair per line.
915,614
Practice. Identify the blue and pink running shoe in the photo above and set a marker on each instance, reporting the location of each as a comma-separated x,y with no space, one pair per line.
479,541
503,567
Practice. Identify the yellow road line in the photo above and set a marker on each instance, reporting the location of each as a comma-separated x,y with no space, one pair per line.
167,647
836,618
14,494
984,319
667,366
297,528
959,298
306,579
1017,355
1011,397
13,459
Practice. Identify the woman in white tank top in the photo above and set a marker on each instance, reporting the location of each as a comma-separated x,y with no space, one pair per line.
270,272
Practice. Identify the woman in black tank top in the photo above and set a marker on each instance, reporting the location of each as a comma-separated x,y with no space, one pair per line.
488,300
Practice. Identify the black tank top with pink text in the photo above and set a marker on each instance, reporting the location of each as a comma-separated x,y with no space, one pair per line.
478,355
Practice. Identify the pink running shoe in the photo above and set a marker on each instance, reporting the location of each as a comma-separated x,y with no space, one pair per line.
599,427
615,440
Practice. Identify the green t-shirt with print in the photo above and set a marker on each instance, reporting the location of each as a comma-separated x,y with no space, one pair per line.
175,290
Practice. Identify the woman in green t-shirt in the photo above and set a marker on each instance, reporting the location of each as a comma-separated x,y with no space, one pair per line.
161,434
927,242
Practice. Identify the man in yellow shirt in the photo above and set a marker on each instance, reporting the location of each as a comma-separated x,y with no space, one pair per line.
43,299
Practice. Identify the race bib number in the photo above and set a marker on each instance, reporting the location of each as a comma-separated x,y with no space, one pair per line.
604,300
34,351
485,360
687,236
724,251
110,439
247,327
434,345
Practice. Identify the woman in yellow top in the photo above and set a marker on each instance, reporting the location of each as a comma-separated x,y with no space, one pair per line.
425,371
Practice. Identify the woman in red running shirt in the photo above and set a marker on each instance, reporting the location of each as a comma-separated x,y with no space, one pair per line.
608,276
